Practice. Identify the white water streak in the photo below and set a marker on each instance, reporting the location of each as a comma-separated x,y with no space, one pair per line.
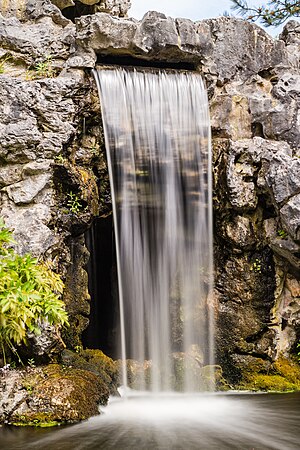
157,136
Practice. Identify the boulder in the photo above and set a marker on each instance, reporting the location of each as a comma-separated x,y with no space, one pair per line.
50,395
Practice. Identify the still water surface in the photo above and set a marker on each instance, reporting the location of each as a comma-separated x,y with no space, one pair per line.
212,421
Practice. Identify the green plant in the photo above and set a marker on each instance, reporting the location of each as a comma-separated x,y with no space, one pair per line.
256,266
29,295
2,63
31,362
274,13
42,69
73,203
282,234
60,159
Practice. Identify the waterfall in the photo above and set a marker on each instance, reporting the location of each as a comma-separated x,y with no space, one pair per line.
157,136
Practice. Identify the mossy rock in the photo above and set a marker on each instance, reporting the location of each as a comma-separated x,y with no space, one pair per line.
288,369
96,362
282,376
268,383
54,394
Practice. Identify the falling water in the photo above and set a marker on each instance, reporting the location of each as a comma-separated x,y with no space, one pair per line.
157,136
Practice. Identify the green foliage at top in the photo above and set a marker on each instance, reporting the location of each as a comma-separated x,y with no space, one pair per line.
274,12
29,295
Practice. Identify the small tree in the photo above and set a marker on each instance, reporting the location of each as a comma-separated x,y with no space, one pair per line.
275,12
29,295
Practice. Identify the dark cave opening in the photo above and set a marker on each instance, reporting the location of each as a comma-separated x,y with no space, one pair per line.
150,64
78,10
101,332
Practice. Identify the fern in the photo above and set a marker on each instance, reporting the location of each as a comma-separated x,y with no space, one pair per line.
29,295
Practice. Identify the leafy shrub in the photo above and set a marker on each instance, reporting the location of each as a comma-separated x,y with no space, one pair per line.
29,295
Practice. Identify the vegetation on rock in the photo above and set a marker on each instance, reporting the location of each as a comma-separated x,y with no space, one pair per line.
97,362
283,376
50,395
274,13
29,295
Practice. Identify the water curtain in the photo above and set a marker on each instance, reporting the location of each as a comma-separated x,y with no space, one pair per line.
157,136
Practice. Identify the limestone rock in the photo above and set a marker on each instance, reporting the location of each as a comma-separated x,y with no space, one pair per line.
290,216
30,227
30,43
156,36
252,52
25,192
106,34
291,32
114,7
25,10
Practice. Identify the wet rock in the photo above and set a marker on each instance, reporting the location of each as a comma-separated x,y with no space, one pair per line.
240,232
76,295
259,375
50,395
96,362
287,249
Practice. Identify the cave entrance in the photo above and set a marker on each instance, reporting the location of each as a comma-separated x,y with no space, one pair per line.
103,287
79,9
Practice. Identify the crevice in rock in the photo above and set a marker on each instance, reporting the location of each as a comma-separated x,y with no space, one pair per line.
257,129
72,12
256,355
270,75
256,336
101,268
268,209
131,61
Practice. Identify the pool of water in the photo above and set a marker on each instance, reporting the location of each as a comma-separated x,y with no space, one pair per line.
203,422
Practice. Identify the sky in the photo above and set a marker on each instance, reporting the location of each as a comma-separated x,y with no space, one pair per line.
190,9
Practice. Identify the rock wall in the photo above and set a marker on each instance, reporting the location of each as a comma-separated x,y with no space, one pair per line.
53,175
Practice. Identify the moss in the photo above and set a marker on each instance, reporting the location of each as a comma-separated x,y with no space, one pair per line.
283,376
58,394
261,382
107,368
41,421
289,369
96,362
